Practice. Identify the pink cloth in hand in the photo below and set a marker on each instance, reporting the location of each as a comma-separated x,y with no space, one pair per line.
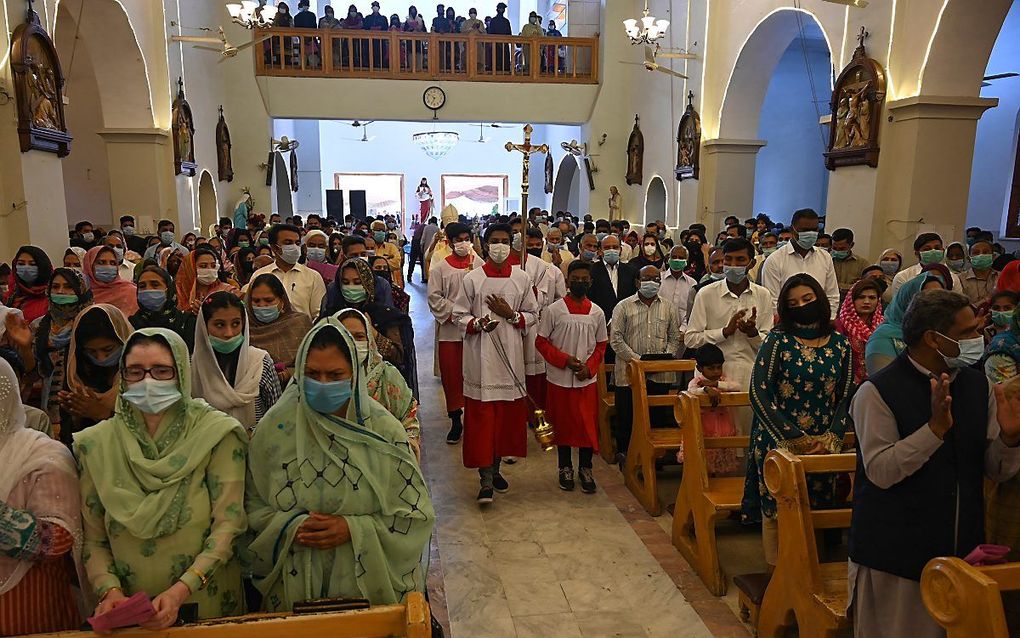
134,611
987,554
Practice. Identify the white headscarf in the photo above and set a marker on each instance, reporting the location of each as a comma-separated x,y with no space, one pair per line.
4,311
208,382
22,452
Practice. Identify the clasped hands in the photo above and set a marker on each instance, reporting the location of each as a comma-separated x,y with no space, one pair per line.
579,368
749,327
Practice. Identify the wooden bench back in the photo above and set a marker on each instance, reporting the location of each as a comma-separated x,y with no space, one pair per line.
411,620
967,600
642,401
687,410
601,383
786,477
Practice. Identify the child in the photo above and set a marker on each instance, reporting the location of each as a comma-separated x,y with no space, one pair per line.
715,421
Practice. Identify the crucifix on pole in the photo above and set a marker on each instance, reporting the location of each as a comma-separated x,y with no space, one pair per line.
527,149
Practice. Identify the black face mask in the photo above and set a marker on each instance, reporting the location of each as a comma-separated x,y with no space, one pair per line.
535,252
807,314
580,288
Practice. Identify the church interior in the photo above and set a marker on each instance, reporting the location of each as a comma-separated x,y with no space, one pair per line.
892,118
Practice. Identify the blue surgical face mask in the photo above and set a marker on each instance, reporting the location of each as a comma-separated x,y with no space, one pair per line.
167,237
601,236
934,256
783,243
62,338
1002,318
735,274
806,239
152,300
226,346
111,361
106,274
649,289
982,262
119,253
356,293
840,255
971,351
717,276
611,256
290,253
316,254
327,398
266,314
889,266
379,236
27,273
769,251
152,396
588,255
956,265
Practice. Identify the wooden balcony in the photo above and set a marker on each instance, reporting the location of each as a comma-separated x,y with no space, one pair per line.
396,55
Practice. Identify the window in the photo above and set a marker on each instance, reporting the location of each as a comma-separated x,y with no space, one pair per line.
475,195
384,192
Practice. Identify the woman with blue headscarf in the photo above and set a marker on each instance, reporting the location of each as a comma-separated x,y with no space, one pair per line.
336,502
886,343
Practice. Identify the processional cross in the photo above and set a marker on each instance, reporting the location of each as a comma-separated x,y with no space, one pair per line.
527,149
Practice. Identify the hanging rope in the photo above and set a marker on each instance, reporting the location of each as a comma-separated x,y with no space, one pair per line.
810,72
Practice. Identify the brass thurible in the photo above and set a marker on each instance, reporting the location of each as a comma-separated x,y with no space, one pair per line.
544,432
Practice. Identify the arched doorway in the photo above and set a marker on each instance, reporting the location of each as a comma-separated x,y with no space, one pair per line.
117,153
566,194
777,92
655,201
207,208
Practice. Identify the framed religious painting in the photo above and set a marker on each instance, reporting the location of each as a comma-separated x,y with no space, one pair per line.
182,125
224,165
688,142
856,107
38,89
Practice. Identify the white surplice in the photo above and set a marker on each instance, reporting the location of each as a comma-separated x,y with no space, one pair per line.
573,334
444,282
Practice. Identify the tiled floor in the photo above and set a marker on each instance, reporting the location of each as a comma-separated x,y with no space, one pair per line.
543,562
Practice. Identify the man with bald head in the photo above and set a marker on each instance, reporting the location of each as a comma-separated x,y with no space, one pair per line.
555,252
643,324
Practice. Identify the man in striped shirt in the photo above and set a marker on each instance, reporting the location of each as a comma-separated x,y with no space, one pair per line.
642,324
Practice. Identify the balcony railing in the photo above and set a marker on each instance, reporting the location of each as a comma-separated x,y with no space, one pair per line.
398,55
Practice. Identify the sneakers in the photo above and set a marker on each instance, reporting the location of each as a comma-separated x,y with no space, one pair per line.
587,480
500,484
484,496
453,438
567,479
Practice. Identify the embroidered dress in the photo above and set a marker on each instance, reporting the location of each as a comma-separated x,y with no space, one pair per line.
158,510
799,395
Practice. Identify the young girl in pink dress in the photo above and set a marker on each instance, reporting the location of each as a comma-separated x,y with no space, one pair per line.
715,421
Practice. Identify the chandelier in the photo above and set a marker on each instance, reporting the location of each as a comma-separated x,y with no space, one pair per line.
248,14
436,144
649,31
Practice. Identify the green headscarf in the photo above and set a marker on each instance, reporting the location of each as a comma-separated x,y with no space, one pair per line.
360,467
142,481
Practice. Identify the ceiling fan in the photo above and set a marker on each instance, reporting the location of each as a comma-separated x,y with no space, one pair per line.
998,76
678,54
859,4
481,130
225,49
651,65
574,148
284,144
358,124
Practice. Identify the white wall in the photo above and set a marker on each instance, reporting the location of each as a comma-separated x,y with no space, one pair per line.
996,145
790,172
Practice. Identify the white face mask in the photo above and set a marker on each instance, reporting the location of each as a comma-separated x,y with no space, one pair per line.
499,252
649,249
207,276
462,248
971,351
362,348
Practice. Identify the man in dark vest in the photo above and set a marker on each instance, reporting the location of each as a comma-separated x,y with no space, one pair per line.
929,430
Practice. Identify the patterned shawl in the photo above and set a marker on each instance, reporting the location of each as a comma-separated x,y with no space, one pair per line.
857,330
30,297
282,337
75,373
1008,342
359,466
119,292
187,281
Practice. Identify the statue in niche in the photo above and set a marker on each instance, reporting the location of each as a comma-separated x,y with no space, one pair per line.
615,204
635,153
857,97
224,166
38,87
548,173
183,130
688,142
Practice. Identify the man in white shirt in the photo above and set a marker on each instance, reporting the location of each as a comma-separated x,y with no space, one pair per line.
678,288
304,286
801,256
734,314
928,249
554,252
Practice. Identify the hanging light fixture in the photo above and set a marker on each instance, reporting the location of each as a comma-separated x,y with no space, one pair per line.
648,31
248,15
436,144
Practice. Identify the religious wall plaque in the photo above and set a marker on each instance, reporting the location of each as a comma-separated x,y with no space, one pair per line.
688,142
38,87
183,128
856,111
224,165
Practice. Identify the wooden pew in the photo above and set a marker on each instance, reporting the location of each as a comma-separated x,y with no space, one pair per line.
646,443
701,500
802,590
411,620
966,600
607,410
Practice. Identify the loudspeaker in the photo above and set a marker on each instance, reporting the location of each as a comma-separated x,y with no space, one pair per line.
358,207
335,204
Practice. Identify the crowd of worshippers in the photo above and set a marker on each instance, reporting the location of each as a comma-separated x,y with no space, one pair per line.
919,360
205,420
230,422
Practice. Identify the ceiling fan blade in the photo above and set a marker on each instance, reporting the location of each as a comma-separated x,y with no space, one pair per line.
195,38
205,48
649,55
1000,76
662,69
253,43
678,56
634,63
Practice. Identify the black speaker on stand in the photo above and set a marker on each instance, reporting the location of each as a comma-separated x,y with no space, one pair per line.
335,205
359,208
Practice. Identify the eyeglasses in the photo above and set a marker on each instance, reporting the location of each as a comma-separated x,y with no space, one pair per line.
134,374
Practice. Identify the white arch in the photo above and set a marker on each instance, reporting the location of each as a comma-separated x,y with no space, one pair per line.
567,177
752,70
208,208
656,201
960,46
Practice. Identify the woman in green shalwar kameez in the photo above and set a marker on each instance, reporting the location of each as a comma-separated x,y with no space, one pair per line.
162,485
334,495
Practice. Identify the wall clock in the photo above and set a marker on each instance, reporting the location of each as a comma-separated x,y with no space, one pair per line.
434,98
